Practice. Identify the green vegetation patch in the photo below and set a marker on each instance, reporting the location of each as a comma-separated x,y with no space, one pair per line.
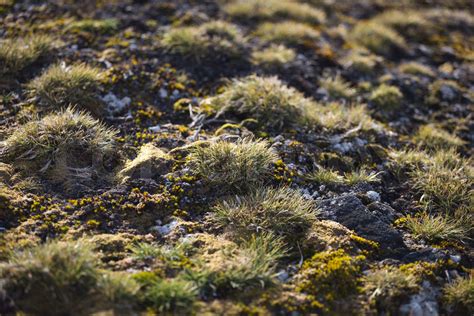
288,32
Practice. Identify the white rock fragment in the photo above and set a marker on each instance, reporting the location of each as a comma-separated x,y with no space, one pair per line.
165,229
373,196
114,104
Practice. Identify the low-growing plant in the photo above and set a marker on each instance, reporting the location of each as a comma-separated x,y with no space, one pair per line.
380,39
337,87
439,227
105,26
387,286
326,176
251,265
68,148
445,183
287,32
412,24
208,41
274,56
361,61
283,212
433,137
150,162
233,167
16,54
360,176
170,296
335,116
60,86
386,97
266,99
274,10
416,69
442,92
460,294
67,272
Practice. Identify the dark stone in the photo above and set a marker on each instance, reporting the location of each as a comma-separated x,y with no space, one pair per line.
372,222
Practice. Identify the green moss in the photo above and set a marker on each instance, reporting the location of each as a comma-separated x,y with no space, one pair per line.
105,26
288,32
378,38
274,56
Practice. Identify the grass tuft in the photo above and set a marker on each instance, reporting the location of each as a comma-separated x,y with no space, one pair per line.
379,39
208,41
68,148
274,56
433,137
337,87
284,212
16,54
105,26
287,32
233,167
60,86
439,227
460,294
386,97
274,10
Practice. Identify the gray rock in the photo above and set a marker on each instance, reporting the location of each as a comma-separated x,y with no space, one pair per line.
373,222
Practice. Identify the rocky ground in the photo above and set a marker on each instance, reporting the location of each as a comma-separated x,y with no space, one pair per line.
236,157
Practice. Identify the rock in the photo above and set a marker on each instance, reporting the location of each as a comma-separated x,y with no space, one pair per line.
373,196
372,222
114,104
422,304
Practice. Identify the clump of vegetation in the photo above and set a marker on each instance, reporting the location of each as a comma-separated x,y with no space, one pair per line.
459,294
412,24
329,276
416,69
434,137
266,99
361,61
16,54
442,91
387,286
337,87
60,86
67,272
274,9
361,176
150,162
326,176
335,116
386,97
274,56
445,182
68,148
288,32
280,211
250,266
233,167
208,41
170,295
105,26
378,38
439,227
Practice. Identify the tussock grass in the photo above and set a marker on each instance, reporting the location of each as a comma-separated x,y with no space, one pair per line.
215,39
105,26
274,56
250,266
386,97
412,24
266,99
362,61
326,176
360,176
233,167
432,137
274,10
58,277
170,296
439,227
416,69
60,86
287,32
460,294
337,87
68,148
435,96
378,38
16,54
282,211
387,285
